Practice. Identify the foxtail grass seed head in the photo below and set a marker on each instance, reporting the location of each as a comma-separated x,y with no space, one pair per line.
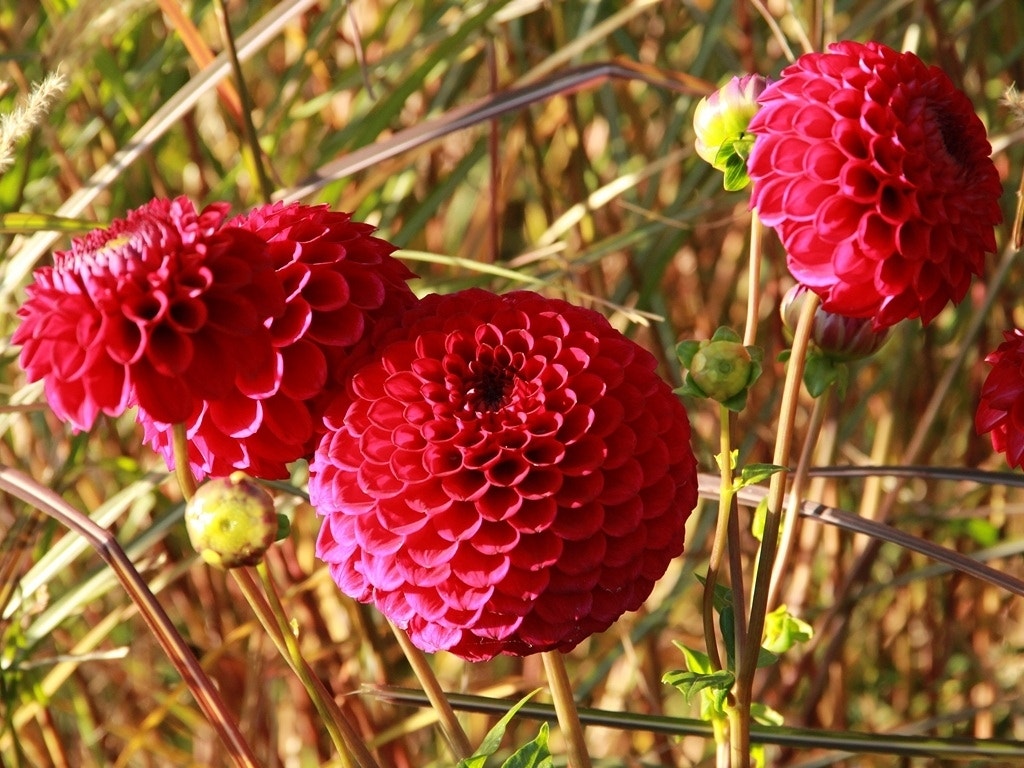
231,521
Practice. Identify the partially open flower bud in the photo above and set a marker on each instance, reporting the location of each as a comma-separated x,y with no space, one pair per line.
839,338
720,122
231,521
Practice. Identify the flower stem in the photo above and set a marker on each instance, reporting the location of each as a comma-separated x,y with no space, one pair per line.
747,664
182,468
796,492
565,709
352,752
725,497
450,726
753,280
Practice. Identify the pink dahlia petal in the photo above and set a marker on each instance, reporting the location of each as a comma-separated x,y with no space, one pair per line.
1001,406
865,163
512,465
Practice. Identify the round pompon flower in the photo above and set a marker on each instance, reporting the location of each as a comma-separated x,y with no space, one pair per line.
875,171
164,309
504,475
1001,408
338,280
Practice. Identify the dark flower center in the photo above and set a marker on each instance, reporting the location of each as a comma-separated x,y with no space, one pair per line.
952,134
491,389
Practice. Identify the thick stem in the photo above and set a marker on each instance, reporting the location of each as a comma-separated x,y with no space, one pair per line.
747,664
565,709
182,468
721,535
796,493
450,726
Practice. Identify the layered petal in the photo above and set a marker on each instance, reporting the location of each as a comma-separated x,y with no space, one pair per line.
503,474
875,172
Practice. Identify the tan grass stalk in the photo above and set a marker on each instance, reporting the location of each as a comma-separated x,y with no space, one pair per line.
23,487
565,709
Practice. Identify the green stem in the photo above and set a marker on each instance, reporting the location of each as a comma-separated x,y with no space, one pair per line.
565,709
725,497
450,726
268,609
248,127
747,664
182,468
753,280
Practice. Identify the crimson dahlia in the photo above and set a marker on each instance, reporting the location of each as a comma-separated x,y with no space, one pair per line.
231,328
164,309
1001,409
338,281
504,474
875,171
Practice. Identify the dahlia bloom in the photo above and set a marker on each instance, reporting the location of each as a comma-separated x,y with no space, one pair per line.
1001,409
504,474
164,309
338,281
875,171
225,327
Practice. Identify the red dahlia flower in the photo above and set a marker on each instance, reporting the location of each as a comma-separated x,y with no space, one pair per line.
503,474
338,281
1001,410
165,309
224,327
875,171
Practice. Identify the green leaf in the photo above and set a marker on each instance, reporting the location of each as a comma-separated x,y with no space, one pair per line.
685,350
820,373
783,630
765,715
757,523
735,176
690,683
722,599
752,474
493,738
533,755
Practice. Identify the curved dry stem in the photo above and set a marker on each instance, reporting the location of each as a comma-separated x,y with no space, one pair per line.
203,690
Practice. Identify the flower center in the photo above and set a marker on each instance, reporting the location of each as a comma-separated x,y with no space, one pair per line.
491,390
952,135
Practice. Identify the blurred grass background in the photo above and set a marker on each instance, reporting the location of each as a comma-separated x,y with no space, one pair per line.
595,195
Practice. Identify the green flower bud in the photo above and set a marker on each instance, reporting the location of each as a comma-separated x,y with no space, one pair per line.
720,123
721,369
231,521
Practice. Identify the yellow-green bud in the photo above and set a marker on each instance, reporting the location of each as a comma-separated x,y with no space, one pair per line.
721,369
231,521
723,117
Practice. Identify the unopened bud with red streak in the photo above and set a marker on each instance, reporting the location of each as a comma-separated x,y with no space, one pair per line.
840,338
231,521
